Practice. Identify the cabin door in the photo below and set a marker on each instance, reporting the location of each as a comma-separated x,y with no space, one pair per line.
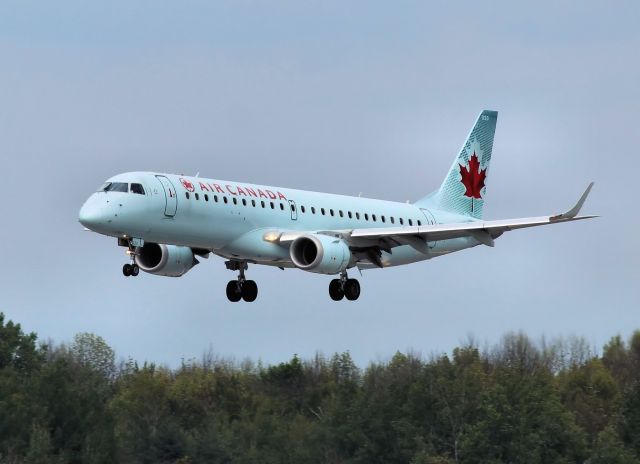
170,195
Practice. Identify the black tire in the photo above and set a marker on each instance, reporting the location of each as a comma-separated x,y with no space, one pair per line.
233,292
249,291
335,290
135,270
126,270
352,289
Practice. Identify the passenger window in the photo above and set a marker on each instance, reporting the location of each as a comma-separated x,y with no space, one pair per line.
186,194
253,203
206,197
331,212
244,202
302,208
281,207
340,213
313,210
410,222
137,188
419,223
262,203
393,221
271,203
401,221
373,217
225,200
358,216
382,219
215,198
235,201
293,208
197,196
349,214
322,211
366,216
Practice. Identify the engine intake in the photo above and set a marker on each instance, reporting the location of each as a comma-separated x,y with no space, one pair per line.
320,253
165,260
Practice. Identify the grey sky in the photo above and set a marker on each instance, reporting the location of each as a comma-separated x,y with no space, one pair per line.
366,97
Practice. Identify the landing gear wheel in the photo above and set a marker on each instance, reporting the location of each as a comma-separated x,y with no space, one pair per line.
233,291
249,290
135,270
335,290
127,269
352,289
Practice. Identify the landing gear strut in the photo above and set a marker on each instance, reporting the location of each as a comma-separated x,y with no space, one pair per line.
241,288
131,269
344,287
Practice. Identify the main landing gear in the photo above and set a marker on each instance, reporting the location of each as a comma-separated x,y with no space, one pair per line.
131,269
344,287
241,288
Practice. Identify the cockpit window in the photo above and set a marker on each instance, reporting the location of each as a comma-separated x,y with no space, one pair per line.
137,188
115,187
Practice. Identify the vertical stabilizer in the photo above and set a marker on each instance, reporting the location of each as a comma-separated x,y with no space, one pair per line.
464,188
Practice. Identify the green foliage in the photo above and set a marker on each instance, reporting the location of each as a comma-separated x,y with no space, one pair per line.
92,351
609,449
591,393
519,402
18,350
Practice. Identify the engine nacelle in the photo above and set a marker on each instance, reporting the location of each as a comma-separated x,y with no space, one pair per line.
165,260
320,253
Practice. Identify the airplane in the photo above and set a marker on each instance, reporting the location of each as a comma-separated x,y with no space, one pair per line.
166,221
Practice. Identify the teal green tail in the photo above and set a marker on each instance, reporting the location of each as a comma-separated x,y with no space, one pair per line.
463,190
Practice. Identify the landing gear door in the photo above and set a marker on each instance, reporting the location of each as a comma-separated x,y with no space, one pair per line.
294,210
170,195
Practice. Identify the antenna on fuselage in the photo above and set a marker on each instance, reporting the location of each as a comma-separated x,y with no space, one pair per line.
198,174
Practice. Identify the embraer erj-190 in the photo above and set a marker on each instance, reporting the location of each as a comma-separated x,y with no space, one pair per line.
166,221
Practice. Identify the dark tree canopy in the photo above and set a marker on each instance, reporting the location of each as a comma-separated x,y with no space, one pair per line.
517,402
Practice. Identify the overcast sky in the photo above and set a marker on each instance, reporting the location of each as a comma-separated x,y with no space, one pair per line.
344,97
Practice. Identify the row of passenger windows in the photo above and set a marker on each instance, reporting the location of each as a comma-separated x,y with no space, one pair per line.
303,210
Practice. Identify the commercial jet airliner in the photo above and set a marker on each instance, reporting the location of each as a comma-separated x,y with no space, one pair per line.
165,221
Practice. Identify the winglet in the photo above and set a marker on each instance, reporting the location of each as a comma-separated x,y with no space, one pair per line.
573,212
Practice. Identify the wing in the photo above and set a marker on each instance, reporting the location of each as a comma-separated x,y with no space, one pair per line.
371,241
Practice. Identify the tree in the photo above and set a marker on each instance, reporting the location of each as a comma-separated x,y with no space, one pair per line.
20,361
522,417
592,394
92,351
609,449
17,349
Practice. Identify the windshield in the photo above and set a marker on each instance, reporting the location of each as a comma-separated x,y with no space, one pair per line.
115,187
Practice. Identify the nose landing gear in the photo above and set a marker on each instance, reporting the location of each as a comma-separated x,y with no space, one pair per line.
242,288
344,287
131,269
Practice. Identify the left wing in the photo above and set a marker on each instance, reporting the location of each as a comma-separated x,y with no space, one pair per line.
417,236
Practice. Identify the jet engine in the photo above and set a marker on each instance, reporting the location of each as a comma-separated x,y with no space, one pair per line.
165,260
320,253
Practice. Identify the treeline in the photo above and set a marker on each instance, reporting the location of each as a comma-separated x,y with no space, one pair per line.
517,402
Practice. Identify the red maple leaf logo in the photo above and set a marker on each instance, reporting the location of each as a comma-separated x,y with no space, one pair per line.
473,177
186,184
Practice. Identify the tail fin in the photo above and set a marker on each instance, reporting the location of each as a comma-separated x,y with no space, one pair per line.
463,190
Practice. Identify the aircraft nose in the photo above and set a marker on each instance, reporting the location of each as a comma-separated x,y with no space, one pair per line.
90,215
